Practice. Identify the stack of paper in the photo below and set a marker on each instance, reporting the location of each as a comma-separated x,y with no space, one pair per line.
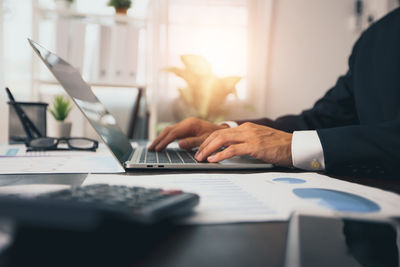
15,159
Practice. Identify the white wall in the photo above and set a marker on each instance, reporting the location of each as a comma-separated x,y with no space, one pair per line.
311,42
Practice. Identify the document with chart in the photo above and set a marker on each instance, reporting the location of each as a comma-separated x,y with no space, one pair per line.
232,198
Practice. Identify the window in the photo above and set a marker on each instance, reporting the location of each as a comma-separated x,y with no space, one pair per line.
216,30
231,34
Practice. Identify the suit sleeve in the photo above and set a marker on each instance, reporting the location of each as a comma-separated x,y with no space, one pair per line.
350,147
366,150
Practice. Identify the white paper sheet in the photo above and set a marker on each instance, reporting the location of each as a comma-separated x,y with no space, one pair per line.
31,190
15,160
233,198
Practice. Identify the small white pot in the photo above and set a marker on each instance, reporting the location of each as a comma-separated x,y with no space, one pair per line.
62,129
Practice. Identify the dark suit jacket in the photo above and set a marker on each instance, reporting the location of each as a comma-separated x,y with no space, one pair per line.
358,120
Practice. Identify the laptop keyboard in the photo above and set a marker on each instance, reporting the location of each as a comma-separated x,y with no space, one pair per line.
168,156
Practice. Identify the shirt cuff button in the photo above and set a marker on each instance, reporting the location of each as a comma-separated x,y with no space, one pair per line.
315,165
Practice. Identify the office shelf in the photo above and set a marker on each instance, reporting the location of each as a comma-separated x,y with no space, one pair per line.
89,17
97,84
44,19
41,14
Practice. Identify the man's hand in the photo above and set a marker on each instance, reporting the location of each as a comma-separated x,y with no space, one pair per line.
264,143
192,132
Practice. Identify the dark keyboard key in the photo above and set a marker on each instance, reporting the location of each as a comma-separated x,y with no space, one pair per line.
151,157
142,157
162,157
186,157
192,153
174,156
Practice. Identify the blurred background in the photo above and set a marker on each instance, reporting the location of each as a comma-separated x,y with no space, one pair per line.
251,58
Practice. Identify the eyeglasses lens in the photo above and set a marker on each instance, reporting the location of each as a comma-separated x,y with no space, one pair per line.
81,143
43,142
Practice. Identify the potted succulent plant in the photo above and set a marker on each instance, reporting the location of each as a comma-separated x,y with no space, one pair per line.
60,110
121,6
205,94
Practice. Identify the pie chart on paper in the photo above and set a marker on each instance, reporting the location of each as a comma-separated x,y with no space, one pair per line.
337,200
289,180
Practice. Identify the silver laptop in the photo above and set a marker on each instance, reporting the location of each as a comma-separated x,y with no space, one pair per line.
129,156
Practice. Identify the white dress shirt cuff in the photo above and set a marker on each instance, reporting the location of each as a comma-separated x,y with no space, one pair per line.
307,152
231,124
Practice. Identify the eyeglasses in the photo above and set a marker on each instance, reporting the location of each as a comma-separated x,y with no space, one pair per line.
50,143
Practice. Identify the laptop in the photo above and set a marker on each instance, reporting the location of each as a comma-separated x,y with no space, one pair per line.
135,155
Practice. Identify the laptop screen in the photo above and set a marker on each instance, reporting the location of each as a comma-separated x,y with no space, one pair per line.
102,121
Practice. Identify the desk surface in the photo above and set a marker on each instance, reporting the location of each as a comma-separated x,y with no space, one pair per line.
248,244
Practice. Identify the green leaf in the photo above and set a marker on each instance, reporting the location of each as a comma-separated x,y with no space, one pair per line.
61,108
120,3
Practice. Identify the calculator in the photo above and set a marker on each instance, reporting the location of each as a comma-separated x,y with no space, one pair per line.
83,207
